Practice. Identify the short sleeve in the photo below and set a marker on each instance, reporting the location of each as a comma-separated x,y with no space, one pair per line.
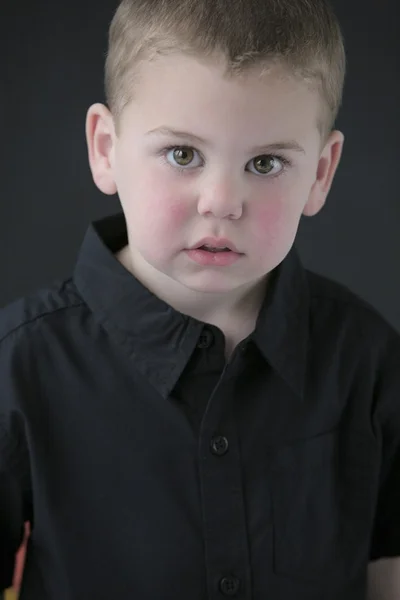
11,508
15,484
385,542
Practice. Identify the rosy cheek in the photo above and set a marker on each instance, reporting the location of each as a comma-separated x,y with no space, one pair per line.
178,212
268,219
275,225
165,201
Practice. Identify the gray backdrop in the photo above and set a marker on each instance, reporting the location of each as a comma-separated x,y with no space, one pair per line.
52,56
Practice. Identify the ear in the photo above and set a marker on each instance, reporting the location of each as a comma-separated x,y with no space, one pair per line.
100,138
327,166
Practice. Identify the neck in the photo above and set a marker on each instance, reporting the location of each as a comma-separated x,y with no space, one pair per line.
221,309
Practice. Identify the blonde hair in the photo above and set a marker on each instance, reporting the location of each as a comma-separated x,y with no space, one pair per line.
302,36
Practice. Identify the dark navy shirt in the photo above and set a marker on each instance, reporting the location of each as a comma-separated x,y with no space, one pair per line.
151,468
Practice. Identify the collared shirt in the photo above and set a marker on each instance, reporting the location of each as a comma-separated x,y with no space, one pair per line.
152,468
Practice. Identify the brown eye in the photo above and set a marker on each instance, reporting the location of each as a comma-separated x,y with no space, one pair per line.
183,156
263,163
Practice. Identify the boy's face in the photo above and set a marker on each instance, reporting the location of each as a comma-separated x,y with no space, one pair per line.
221,187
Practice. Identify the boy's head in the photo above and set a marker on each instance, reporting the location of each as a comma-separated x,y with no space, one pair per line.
242,75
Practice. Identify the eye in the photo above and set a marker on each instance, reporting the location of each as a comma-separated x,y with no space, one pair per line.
263,164
183,157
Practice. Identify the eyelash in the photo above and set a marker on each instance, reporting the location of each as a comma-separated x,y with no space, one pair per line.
285,161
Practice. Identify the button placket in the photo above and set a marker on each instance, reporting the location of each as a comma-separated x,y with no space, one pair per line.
223,506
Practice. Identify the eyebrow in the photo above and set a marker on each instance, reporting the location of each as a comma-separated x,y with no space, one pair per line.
287,145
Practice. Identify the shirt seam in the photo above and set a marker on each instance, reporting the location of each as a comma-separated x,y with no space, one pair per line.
37,317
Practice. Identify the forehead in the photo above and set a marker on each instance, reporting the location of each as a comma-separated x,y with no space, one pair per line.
186,92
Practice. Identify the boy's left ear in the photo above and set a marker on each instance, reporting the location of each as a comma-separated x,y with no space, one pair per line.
327,166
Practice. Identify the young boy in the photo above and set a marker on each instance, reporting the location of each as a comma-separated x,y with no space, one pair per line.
193,414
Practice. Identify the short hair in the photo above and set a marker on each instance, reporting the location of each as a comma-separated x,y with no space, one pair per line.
302,36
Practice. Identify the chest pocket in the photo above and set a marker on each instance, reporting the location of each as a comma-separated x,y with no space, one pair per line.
322,509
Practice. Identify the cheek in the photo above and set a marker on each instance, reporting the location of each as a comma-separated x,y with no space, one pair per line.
268,219
274,223
165,207
177,212
165,217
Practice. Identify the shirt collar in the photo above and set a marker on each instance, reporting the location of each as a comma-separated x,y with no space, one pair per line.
160,339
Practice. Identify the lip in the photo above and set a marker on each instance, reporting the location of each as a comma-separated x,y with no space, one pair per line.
211,259
216,243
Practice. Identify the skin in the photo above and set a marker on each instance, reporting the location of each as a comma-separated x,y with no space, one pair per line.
221,193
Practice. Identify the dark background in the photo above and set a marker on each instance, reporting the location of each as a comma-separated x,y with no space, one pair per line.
52,58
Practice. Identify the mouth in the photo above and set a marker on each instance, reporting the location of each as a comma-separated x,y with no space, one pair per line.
215,245
214,250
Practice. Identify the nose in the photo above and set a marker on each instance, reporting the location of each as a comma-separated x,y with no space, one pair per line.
221,197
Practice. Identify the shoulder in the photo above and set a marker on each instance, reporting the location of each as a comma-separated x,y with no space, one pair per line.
349,324
39,309
32,328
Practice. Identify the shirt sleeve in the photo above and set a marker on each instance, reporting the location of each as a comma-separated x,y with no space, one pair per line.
385,542
15,480
11,506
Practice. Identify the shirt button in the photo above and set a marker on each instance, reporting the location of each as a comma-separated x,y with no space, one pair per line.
229,586
206,339
219,445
